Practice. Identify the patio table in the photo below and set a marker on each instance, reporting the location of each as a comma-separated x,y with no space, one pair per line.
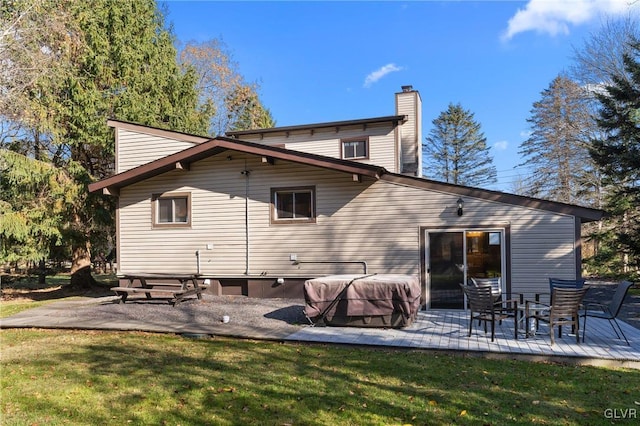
527,324
176,286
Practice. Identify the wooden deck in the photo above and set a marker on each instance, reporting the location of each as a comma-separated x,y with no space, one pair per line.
447,330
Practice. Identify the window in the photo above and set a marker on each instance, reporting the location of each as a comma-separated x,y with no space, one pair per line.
293,205
355,148
171,210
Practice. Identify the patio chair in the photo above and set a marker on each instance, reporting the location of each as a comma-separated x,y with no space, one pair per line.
484,308
562,283
608,311
563,311
496,285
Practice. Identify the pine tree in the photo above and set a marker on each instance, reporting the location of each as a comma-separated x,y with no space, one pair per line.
35,200
595,62
456,150
557,149
248,111
109,59
617,154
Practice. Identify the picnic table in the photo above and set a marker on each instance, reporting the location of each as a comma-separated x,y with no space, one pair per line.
176,287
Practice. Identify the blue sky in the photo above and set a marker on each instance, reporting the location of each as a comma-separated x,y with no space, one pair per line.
331,61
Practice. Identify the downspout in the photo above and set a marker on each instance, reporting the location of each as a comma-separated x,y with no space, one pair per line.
246,172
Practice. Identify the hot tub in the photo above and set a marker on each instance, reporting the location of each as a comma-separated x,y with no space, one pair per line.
384,300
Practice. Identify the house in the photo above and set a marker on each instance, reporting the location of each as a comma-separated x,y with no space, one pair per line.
258,212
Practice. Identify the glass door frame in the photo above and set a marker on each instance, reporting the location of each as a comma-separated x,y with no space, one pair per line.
505,257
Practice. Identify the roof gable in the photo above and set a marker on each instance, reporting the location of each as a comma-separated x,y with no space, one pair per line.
182,160
210,147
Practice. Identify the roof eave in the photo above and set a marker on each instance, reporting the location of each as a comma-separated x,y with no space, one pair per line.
212,147
585,214
157,131
392,119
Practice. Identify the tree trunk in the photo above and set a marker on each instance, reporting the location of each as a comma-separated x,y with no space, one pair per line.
81,268
42,272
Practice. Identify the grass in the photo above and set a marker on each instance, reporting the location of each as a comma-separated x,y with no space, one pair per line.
86,377
12,307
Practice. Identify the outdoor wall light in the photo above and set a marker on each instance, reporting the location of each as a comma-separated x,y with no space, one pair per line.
460,205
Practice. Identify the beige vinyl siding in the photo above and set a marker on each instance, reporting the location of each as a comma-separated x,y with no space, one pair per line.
135,149
373,221
327,142
411,147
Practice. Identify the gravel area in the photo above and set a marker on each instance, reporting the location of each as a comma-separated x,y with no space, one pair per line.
282,312
248,317
278,316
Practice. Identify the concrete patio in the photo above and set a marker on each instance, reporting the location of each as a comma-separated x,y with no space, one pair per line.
433,330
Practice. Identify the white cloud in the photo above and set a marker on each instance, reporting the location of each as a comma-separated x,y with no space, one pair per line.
524,134
554,16
379,73
501,145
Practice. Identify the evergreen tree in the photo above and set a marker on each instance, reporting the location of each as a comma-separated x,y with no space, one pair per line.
557,148
617,154
595,62
248,111
110,59
35,202
456,150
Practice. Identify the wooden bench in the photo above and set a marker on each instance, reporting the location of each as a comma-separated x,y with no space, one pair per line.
176,287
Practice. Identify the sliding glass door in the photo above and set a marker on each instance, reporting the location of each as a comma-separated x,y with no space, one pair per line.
455,256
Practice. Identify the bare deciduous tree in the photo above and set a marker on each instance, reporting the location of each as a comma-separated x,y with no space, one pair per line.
600,57
220,84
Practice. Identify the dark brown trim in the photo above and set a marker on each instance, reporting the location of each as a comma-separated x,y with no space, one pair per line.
364,139
217,146
394,120
170,195
222,144
272,210
578,248
156,131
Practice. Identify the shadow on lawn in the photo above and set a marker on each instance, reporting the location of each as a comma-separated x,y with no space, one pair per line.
56,287
143,380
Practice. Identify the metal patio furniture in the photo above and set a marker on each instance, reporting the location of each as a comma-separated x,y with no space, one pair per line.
496,285
564,310
608,311
564,283
484,308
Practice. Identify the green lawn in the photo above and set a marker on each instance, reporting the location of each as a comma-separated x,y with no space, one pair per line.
12,307
86,377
